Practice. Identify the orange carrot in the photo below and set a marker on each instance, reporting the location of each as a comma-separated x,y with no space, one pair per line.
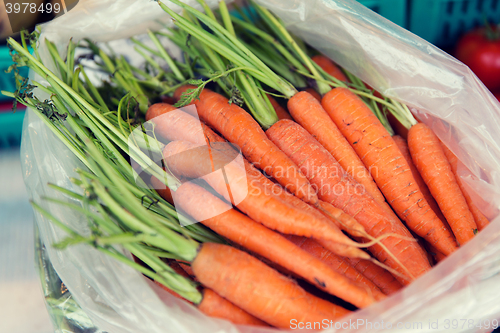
258,289
479,218
339,188
389,169
344,221
238,127
187,268
182,132
175,124
309,113
339,264
215,306
314,94
396,125
384,280
403,148
162,189
184,158
233,225
280,111
431,162
438,256
329,66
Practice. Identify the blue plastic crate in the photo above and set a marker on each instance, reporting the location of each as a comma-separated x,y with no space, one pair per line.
11,127
7,81
442,22
393,10
11,124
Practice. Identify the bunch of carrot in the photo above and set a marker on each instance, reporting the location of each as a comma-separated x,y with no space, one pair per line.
323,191
330,141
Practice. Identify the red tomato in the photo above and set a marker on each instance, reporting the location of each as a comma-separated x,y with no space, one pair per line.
480,50
497,95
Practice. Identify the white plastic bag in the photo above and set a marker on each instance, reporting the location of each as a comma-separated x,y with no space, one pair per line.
442,92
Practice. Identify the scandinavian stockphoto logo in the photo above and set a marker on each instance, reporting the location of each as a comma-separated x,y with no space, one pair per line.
23,14
176,142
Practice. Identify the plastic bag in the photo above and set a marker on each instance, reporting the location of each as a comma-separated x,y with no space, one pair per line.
458,295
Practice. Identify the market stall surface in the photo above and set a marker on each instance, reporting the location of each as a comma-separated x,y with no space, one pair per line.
22,306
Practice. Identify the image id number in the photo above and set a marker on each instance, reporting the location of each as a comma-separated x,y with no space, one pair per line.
27,7
470,324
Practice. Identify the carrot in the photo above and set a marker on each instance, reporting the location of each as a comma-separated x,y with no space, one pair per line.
403,148
339,264
162,189
389,169
479,218
184,158
339,188
431,162
329,66
242,230
314,94
345,221
175,124
238,127
399,128
187,268
280,111
384,280
213,305
309,113
438,256
183,130
258,289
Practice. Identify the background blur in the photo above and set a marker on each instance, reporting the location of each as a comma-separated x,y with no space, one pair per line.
22,308
22,305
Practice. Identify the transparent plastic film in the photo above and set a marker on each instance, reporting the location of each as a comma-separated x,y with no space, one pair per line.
439,90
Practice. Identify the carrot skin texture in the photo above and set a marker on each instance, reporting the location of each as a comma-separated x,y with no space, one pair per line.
346,222
309,113
183,158
174,124
384,280
280,111
314,94
187,268
339,188
255,237
256,178
431,162
479,218
215,306
438,256
339,264
403,148
389,169
238,127
162,190
258,289
329,66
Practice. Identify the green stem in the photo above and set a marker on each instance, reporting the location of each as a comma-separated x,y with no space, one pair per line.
235,51
166,56
288,40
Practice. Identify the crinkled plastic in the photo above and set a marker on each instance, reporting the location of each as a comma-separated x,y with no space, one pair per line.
458,295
